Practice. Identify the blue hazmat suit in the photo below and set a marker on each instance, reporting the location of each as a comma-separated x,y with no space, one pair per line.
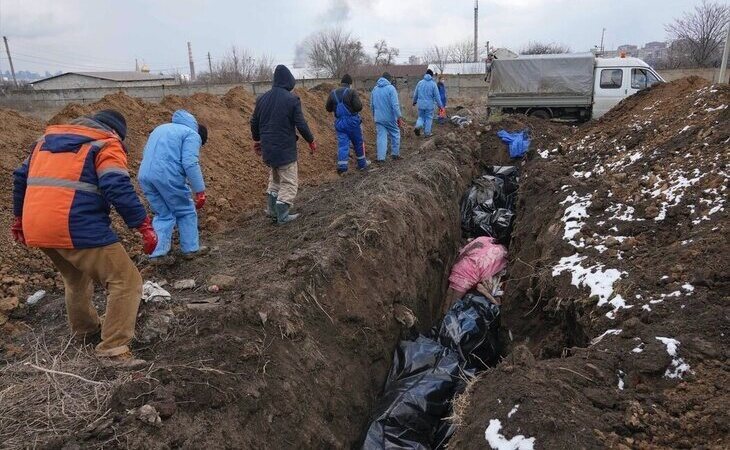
170,161
348,127
424,97
518,142
385,107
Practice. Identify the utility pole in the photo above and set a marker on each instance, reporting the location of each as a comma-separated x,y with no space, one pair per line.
476,30
725,54
10,60
210,66
136,65
192,65
603,34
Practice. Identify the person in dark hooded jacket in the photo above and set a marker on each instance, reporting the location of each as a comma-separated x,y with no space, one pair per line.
276,118
346,106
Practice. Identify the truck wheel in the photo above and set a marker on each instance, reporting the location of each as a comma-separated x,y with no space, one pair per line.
541,114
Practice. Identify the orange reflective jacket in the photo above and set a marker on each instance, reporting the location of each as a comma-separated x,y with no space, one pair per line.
65,188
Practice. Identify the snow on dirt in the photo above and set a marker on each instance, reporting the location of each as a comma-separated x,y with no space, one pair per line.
648,228
497,441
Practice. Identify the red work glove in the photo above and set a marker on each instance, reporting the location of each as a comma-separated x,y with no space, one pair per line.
401,123
149,237
442,112
199,200
16,229
257,148
312,147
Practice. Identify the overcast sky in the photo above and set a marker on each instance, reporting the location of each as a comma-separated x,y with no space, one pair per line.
109,34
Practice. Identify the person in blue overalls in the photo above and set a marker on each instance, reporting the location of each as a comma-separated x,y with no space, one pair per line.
346,105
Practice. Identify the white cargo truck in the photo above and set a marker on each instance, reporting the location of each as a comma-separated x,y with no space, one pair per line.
574,86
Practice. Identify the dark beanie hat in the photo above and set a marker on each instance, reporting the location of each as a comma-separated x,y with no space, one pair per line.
114,120
388,76
347,79
203,132
429,72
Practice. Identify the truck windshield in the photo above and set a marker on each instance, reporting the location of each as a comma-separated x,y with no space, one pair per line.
612,78
642,79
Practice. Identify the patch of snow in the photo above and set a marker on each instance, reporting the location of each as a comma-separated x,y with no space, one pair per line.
621,375
688,287
498,442
598,280
646,308
719,108
573,215
513,411
677,367
543,154
686,127
639,348
612,332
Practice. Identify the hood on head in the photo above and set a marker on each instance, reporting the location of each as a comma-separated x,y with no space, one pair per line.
427,77
65,138
382,82
283,78
183,117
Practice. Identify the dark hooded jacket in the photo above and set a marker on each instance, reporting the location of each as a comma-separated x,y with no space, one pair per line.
277,116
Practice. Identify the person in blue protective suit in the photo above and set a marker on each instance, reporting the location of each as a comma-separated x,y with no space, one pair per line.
388,120
346,105
425,97
171,162
442,93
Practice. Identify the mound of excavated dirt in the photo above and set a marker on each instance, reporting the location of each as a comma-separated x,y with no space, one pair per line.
17,135
619,284
235,177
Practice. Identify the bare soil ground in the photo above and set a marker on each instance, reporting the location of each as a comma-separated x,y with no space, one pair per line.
617,302
293,350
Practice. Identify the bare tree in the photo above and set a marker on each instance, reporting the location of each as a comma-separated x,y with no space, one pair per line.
463,51
239,65
334,52
384,55
544,48
698,36
439,56
414,60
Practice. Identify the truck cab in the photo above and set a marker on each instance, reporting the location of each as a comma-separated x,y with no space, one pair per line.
618,78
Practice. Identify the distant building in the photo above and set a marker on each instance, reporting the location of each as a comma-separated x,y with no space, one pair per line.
81,80
654,51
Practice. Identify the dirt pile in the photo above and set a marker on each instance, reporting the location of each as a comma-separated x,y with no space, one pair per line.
619,284
235,177
18,134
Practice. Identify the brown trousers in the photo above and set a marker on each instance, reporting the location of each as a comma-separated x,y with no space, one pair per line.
284,181
111,267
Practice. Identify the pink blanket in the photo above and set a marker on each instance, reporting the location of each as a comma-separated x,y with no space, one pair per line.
478,261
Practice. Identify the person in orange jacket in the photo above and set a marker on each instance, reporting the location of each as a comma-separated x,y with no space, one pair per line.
62,194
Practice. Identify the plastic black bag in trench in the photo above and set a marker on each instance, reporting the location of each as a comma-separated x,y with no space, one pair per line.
488,207
428,372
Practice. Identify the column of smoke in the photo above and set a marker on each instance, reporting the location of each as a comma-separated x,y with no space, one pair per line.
337,12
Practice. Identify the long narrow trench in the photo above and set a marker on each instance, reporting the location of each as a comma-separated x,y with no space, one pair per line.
430,368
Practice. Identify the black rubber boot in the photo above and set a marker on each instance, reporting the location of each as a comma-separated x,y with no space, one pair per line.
282,213
271,205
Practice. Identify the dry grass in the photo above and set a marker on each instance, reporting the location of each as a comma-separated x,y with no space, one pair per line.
51,394
461,402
